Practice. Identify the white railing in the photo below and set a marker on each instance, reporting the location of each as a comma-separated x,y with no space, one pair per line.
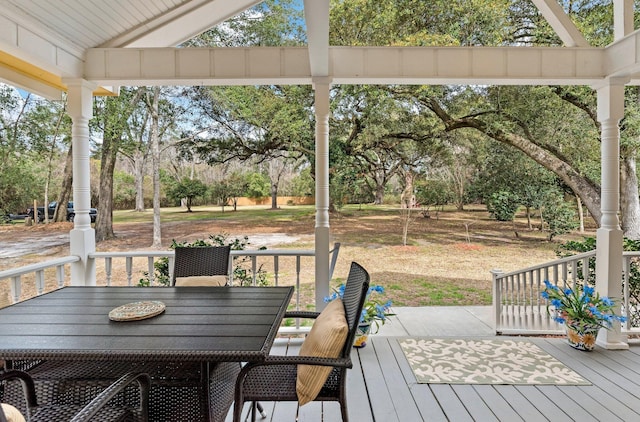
150,256
519,308
38,270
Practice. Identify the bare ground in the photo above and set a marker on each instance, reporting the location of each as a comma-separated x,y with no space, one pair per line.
447,260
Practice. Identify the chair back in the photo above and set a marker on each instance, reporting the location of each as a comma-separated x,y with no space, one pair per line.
353,298
200,261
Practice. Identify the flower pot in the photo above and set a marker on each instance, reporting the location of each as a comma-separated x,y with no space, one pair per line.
582,337
362,334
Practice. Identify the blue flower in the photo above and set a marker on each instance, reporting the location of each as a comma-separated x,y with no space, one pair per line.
582,305
374,311
607,301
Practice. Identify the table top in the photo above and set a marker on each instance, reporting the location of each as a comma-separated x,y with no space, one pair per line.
198,324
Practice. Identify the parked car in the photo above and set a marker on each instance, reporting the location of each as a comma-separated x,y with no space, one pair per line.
93,212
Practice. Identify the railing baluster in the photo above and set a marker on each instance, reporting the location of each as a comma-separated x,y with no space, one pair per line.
298,282
152,274
40,282
276,268
254,270
107,269
626,265
16,288
129,269
60,275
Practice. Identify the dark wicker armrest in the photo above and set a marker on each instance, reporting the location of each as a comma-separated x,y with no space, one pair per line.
91,409
301,314
27,385
302,360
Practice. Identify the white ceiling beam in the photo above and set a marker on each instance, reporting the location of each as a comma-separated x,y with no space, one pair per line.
348,65
561,23
623,57
622,18
180,24
20,80
316,15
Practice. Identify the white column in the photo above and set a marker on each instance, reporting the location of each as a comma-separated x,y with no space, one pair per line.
622,18
609,235
82,237
321,87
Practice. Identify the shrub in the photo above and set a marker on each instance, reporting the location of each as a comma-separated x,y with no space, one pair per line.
241,274
502,205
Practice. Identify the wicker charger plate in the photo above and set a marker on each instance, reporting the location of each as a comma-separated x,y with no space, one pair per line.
137,310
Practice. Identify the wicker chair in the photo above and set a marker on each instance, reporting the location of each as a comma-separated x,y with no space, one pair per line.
275,378
101,408
200,261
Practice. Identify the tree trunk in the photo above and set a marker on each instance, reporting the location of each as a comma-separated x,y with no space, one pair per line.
67,186
155,160
407,199
138,164
104,219
580,213
274,196
629,202
379,194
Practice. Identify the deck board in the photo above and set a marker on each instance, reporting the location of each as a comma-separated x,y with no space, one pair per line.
381,386
474,403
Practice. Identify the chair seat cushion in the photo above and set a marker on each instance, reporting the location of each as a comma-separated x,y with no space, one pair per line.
202,280
11,413
326,339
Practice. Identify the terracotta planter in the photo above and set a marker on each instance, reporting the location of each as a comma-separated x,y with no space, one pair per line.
581,337
362,335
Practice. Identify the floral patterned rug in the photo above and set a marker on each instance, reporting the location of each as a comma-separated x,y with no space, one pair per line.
486,361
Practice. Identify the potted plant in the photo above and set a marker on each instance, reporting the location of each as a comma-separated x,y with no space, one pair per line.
375,312
583,311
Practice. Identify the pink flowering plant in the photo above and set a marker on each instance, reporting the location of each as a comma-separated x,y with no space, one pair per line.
375,311
581,307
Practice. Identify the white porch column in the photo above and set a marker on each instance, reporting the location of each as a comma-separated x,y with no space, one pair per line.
609,235
321,87
82,237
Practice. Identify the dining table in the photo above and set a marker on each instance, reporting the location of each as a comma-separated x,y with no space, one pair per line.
202,334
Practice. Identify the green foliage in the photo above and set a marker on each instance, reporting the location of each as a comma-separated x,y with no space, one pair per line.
303,184
258,185
503,205
433,193
188,189
560,216
241,271
124,191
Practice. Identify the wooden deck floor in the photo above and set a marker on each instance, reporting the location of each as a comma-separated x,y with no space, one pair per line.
382,387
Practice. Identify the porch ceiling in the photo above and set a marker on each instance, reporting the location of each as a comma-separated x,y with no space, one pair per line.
119,42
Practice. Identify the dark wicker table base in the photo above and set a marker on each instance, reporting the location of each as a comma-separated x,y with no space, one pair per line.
178,389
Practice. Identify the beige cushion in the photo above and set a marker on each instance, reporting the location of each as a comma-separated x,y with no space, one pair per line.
202,280
11,413
326,339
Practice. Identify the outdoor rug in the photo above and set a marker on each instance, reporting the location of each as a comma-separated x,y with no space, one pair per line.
487,361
